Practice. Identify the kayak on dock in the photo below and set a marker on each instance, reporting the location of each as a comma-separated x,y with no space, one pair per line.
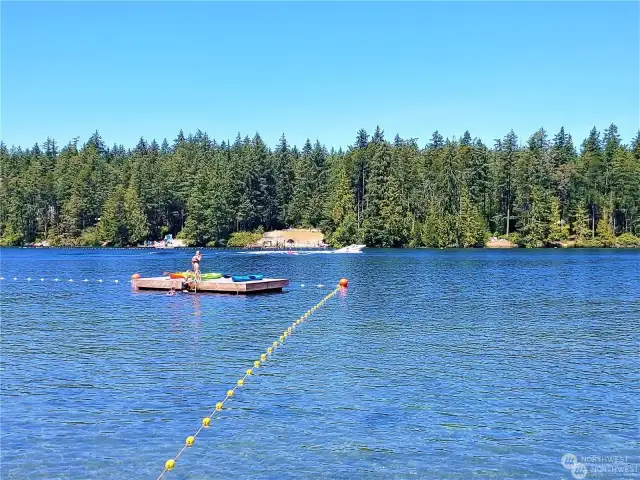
189,274
246,278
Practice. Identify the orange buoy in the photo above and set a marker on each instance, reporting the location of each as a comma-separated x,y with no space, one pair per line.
343,282
135,276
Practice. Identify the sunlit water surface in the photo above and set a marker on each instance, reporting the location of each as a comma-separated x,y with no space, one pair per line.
433,364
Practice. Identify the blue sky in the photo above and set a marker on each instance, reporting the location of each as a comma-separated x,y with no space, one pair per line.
319,70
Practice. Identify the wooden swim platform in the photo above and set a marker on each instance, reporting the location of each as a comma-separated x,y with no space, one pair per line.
219,285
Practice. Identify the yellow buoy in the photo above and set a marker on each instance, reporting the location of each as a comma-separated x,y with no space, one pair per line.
286,334
269,350
189,441
256,364
263,357
275,344
240,382
282,338
206,421
230,393
249,372
169,464
219,406
289,330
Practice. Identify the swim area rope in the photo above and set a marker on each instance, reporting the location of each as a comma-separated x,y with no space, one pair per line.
206,421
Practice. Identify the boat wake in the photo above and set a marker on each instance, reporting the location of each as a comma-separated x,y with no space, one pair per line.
350,249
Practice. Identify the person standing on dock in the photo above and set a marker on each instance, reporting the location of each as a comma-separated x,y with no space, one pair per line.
195,263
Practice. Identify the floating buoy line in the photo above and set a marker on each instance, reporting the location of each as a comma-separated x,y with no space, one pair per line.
206,421
58,279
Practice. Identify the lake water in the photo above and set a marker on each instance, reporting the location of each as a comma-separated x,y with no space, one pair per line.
432,364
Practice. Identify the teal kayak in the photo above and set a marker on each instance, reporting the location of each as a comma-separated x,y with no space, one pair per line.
246,278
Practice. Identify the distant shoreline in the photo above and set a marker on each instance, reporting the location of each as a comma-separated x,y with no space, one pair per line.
201,247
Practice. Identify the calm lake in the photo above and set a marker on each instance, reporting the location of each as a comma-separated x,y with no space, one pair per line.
432,364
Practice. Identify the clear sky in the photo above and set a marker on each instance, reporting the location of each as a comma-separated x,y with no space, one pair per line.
319,70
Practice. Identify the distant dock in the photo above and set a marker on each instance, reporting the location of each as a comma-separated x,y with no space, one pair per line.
219,285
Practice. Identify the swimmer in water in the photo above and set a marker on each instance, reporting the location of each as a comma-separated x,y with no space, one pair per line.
172,291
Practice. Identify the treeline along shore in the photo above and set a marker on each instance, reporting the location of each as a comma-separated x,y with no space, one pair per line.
543,190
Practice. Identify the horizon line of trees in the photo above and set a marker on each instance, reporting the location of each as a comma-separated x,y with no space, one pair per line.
449,193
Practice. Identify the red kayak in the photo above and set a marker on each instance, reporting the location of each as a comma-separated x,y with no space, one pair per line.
176,274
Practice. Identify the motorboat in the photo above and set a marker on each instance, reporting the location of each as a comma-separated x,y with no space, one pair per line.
348,249
166,242
354,248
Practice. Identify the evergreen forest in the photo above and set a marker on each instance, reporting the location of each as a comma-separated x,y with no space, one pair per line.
544,190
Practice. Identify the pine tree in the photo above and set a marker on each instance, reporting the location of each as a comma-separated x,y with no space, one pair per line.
604,230
506,156
112,226
626,194
134,218
165,149
360,154
465,140
342,221
378,135
535,228
635,146
317,185
582,227
300,208
471,225
478,178
558,229
436,141
284,176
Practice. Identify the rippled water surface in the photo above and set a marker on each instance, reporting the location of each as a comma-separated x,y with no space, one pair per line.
433,364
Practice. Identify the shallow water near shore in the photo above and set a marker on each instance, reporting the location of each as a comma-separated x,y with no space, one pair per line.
432,364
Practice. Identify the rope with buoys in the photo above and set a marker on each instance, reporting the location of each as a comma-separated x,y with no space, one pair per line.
206,421
56,279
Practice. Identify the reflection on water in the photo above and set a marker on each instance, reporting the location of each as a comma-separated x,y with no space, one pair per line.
433,364
196,306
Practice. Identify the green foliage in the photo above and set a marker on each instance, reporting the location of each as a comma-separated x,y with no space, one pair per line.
123,221
10,237
243,239
341,227
111,226
513,237
535,220
90,237
627,240
588,243
581,226
135,219
604,231
471,224
392,194
558,229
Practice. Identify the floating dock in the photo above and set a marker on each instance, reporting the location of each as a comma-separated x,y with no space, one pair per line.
219,285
